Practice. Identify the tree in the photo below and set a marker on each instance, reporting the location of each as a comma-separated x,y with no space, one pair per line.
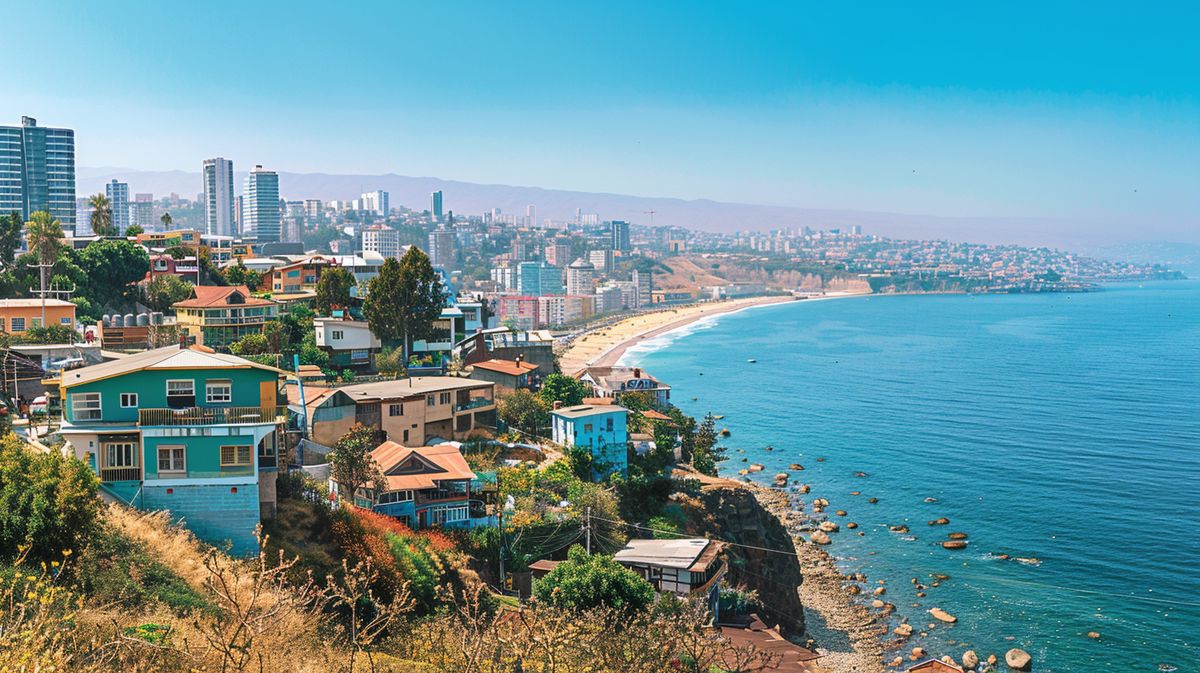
333,290
404,299
163,291
48,502
562,388
584,582
10,238
166,221
102,224
351,464
686,427
706,454
251,344
523,410
110,268
45,241
134,230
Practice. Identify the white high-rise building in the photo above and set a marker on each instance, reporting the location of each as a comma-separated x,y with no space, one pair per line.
581,277
375,202
382,239
118,201
219,197
530,216
260,205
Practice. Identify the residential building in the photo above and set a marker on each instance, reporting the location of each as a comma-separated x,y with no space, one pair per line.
557,254
441,248
176,238
521,312
381,239
260,205
325,417
218,316
424,487
600,428
19,315
313,208
141,212
505,278
508,375
532,347
620,235
350,343
539,278
376,203
436,206
118,200
608,298
934,666
419,409
556,310
37,171
602,260
363,267
186,430
581,277
295,277
219,197
530,216
612,382
431,354
687,567
187,268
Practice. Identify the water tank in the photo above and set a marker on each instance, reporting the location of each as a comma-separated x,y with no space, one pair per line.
106,320
143,319
129,321
156,318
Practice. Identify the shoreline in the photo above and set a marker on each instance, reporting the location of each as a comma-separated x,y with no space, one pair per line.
605,346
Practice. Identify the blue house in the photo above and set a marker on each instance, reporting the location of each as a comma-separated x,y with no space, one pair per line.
601,428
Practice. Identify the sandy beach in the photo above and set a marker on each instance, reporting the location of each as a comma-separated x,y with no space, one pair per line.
605,345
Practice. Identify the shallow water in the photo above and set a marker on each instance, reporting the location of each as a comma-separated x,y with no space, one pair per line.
1059,427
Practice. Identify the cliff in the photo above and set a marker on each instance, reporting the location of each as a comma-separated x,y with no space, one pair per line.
728,511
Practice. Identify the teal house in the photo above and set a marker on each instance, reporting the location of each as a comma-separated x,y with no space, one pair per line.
599,427
186,430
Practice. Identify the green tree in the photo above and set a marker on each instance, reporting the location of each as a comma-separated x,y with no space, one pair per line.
236,274
686,427
523,410
583,582
251,344
351,464
179,252
102,216
333,290
166,221
404,299
163,291
562,388
10,238
110,268
706,454
45,241
48,502
134,230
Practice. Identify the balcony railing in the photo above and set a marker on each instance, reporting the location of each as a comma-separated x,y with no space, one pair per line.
210,416
475,404
426,497
120,474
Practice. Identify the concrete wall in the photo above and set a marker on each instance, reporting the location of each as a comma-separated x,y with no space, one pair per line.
214,512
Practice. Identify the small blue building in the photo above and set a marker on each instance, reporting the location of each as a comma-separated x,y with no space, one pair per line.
601,428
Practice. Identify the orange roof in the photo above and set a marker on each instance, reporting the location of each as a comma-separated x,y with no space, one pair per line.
416,468
655,415
510,367
207,296
599,401
311,394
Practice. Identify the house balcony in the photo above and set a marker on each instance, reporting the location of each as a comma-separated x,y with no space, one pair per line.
120,474
439,496
475,403
193,416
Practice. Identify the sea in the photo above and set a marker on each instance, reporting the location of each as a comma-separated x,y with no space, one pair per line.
1062,429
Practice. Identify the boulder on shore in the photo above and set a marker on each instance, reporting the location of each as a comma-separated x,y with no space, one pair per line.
1018,659
819,537
970,660
828,526
917,653
904,630
941,615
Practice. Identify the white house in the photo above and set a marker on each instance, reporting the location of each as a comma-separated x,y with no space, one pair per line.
350,343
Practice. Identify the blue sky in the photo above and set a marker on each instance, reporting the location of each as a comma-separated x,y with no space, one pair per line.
1075,110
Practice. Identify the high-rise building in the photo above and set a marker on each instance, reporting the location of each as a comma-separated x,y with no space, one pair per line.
219,198
141,211
441,248
436,208
557,254
260,206
620,235
530,216
382,239
118,201
520,251
37,171
602,260
313,208
539,278
375,202
581,276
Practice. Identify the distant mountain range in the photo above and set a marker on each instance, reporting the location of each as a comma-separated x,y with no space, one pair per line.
699,214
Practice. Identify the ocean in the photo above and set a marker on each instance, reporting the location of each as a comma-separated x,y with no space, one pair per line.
1063,429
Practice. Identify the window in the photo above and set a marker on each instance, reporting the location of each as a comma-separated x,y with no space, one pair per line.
395,410
338,335
444,398
120,454
18,324
181,393
357,355
438,517
61,321
85,406
129,400
218,391
1,324
395,496
608,425
430,400
171,459
587,427
235,456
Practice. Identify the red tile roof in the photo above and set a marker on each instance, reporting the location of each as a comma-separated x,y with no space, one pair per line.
510,367
416,468
208,296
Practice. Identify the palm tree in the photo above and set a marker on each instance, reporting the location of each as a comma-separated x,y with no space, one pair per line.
166,221
101,215
45,235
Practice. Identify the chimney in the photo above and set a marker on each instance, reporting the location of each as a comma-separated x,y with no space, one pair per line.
557,405
637,372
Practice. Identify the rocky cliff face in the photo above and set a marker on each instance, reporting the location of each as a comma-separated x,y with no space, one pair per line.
731,512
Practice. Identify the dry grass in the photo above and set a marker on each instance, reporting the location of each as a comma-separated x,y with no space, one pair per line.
169,544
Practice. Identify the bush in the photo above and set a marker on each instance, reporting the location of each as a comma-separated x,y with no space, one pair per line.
584,582
116,569
48,502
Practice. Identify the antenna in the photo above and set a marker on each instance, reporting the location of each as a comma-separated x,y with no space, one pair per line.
651,214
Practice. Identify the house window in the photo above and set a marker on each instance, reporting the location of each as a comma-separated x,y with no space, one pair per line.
608,425
360,355
587,427
438,517
61,321
18,324
430,400
235,456
181,393
2,324
395,410
338,335
218,391
120,454
444,398
171,459
129,400
85,406
395,496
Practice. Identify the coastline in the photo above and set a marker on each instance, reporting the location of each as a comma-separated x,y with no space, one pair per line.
606,345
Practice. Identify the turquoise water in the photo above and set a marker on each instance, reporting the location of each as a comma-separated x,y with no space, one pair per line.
1059,427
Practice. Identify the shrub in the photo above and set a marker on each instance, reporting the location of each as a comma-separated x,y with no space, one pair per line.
48,502
585,582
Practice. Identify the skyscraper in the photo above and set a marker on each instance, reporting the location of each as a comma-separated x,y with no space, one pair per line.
531,216
37,171
118,200
375,202
218,197
141,211
437,206
620,235
260,205
581,277
441,248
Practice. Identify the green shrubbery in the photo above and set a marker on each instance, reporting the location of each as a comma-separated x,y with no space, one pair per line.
585,582
48,502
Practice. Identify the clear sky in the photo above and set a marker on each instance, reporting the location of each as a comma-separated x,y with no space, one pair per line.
1076,110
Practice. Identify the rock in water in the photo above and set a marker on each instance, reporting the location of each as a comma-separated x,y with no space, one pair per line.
872,500
970,660
955,544
939,522
1094,635
796,466
851,525
819,537
957,536
941,615
756,467
828,526
917,653
1018,659
904,630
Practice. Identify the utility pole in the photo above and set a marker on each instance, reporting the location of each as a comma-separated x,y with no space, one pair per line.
500,546
587,529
